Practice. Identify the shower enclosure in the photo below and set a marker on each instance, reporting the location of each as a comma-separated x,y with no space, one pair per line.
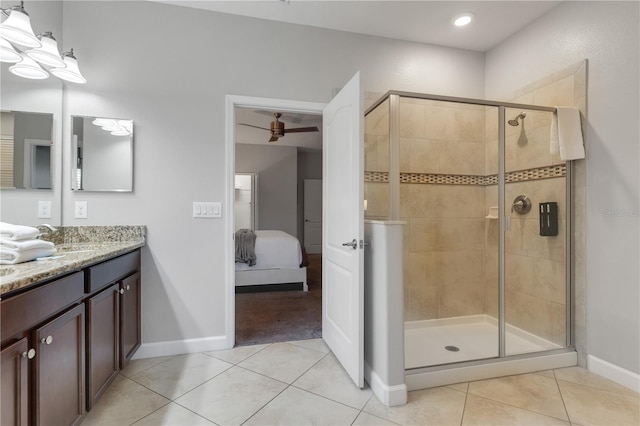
486,237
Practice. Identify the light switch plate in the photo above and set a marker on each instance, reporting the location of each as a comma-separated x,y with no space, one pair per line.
81,210
207,210
44,209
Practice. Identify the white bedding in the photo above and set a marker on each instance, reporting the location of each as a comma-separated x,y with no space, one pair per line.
274,250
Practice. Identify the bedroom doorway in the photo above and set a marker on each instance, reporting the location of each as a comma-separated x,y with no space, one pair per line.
279,298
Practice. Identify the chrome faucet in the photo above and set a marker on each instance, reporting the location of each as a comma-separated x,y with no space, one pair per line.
49,227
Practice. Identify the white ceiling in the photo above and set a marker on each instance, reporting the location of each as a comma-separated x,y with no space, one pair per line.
418,21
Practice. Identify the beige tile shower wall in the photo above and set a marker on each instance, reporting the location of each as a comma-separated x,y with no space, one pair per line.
444,236
376,159
535,266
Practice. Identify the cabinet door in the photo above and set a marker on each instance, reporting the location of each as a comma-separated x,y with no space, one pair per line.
15,392
103,345
130,318
59,370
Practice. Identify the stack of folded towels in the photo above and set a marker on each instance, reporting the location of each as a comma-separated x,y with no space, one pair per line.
21,244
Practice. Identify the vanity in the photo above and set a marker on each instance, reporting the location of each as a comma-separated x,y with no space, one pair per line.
69,324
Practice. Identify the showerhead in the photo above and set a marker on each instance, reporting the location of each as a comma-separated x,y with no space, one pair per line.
515,122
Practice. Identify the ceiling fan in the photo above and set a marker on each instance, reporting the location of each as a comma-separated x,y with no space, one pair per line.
278,129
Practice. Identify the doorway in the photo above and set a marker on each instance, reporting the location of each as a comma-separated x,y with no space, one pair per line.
275,312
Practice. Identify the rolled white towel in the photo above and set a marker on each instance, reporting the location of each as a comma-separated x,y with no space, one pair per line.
25,244
11,257
17,232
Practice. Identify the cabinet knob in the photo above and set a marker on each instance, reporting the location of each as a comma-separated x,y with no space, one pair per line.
47,340
128,287
30,354
121,291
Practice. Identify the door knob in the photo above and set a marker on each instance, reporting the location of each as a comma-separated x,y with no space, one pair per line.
353,244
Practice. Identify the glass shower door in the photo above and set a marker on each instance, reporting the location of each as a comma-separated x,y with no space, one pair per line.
535,238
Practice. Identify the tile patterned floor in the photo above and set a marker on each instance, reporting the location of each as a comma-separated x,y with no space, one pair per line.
301,383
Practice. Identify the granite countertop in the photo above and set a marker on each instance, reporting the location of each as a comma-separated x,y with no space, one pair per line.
79,248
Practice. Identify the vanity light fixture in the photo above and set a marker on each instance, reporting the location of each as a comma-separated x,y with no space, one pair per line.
34,57
8,53
463,19
28,68
17,28
47,54
70,72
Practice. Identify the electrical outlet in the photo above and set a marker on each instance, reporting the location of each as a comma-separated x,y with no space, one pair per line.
44,209
81,210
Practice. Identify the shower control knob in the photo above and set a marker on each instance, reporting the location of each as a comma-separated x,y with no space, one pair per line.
521,205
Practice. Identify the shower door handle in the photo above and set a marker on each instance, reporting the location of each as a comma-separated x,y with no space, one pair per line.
353,244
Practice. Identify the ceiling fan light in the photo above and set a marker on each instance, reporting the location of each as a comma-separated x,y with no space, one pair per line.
47,54
17,29
71,72
8,53
28,68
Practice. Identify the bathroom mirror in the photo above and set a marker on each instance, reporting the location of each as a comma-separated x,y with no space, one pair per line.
26,150
102,154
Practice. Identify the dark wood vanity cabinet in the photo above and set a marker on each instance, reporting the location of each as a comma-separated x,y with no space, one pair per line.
103,323
59,373
15,389
42,333
63,342
130,318
113,320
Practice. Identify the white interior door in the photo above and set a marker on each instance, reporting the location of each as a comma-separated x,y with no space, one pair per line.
342,265
313,216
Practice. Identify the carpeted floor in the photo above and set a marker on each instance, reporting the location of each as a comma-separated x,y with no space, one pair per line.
280,316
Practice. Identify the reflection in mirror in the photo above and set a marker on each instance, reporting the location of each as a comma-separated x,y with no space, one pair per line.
26,144
102,154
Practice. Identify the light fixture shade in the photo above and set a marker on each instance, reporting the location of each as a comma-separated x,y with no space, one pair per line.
8,53
71,72
17,29
47,54
28,68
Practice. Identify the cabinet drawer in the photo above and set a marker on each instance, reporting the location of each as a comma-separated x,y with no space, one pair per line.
25,310
112,270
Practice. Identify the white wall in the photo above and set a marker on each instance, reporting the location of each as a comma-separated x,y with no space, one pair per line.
137,72
605,33
277,169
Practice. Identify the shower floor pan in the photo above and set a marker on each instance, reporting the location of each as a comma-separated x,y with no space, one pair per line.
476,337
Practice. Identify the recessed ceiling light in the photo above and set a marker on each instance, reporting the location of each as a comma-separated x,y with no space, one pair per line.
462,20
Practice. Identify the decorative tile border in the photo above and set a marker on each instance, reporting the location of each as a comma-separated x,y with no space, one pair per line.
557,170
442,179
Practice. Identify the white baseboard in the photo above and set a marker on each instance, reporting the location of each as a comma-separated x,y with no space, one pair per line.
179,347
388,395
614,373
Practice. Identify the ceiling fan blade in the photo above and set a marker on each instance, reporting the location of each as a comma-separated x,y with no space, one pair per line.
301,129
273,139
251,125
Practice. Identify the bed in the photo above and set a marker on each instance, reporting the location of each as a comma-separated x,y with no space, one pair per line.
278,260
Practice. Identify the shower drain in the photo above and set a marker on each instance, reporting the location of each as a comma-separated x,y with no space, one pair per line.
452,348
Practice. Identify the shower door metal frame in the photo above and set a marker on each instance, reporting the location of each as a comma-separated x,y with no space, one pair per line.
394,214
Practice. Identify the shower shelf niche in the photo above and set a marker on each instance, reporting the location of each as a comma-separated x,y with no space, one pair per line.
493,213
